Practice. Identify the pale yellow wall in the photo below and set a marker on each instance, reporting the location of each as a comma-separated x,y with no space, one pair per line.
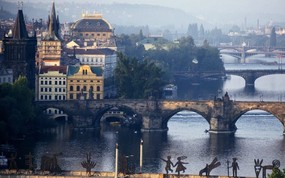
88,80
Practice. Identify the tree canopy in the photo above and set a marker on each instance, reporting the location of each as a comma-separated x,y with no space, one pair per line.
138,79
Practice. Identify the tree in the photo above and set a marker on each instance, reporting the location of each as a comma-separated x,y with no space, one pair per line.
138,79
277,173
19,115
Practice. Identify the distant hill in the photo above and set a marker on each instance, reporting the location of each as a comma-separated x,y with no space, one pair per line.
120,14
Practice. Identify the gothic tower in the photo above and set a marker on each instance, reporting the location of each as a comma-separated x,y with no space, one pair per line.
19,51
50,46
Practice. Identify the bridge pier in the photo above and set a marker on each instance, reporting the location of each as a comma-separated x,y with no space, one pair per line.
220,125
152,122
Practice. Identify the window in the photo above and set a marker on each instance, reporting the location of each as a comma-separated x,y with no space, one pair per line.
59,82
98,88
64,82
78,88
55,89
46,82
55,82
71,96
50,82
98,96
42,89
55,97
71,88
42,97
42,82
49,89
84,88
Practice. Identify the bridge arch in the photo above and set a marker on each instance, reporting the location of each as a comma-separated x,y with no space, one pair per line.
131,118
238,116
167,116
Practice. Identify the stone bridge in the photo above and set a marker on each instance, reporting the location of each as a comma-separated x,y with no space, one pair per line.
251,75
221,114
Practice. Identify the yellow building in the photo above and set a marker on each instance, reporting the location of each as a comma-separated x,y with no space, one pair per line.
92,26
85,82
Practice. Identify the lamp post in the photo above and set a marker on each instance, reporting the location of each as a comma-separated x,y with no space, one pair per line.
141,155
116,160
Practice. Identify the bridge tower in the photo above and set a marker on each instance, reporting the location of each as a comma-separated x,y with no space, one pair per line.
221,118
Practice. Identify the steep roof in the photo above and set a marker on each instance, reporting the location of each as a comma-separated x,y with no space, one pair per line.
19,30
74,69
46,69
53,25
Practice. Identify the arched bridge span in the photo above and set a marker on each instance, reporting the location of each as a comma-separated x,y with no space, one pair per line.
221,114
251,75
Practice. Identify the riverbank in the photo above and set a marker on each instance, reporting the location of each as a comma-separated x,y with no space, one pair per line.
78,174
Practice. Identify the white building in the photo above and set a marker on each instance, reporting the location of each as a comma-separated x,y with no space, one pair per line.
6,75
105,58
51,83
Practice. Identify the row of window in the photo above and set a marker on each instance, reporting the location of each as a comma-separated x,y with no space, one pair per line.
84,88
91,60
78,81
93,34
50,89
50,82
46,78
78,95
5,79
56,111
49,97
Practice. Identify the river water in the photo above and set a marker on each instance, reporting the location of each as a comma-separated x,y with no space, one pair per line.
259,135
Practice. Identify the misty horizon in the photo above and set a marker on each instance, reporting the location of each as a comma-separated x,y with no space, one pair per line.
213,12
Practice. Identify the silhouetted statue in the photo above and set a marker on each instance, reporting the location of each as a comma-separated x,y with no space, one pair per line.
168,164
88,164
235,167
275,164
12,161
49,163
209,167
179,164
257,166
30,162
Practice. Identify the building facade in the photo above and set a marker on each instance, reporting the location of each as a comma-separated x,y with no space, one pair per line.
85,82
52,82
105,58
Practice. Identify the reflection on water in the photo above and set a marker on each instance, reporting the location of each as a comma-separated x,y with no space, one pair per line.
259,136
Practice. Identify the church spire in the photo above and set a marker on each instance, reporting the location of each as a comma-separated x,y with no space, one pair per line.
53,24
19,30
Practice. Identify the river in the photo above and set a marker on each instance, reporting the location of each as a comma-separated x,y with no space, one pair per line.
259,135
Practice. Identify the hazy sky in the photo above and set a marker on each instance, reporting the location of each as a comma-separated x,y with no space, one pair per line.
202,6
213,11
